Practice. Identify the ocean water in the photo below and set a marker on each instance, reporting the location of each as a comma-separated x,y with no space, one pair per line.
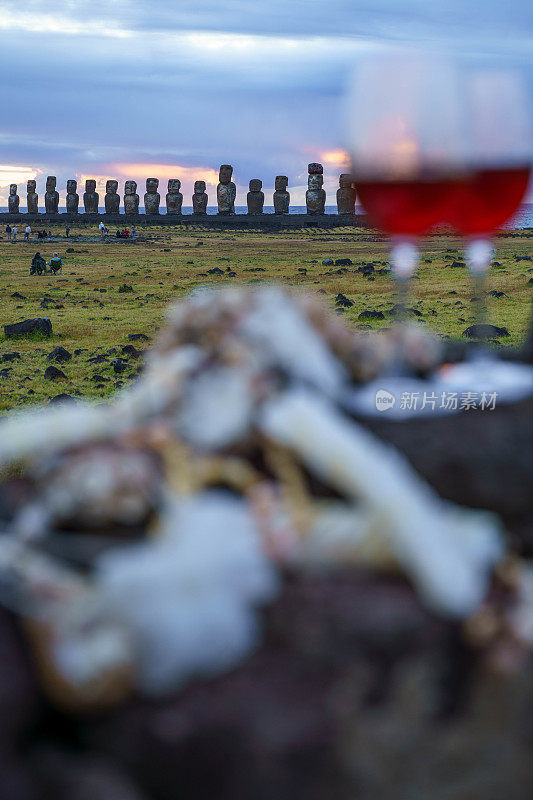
523,219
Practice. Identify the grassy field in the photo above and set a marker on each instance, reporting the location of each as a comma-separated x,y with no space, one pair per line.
92,319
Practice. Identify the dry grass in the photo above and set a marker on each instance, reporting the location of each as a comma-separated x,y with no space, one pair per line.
158,277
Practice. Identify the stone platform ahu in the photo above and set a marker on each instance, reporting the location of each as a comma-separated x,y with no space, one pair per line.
315,197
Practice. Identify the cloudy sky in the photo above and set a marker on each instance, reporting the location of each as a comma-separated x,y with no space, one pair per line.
173,88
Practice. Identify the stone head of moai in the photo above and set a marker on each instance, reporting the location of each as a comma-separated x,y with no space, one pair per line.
315,181
73,199
51,182
255,197
152,185
151,198
199,198
51,198
91,197
131,198
112,199
32,186
315,169
174,197
346,195
281,196
33,197
225,173
13,199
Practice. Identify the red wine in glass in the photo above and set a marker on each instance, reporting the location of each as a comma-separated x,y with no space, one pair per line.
408,208
487,198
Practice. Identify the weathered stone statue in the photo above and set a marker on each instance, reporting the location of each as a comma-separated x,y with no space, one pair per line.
255,197
226,190
73,198
91,197
33,198
281,196
13,199
174,198
315,196
199,198
112,199
152,198
346,195
51,198
131,198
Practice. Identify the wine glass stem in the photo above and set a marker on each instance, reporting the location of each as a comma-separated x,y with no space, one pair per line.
404,260
479,255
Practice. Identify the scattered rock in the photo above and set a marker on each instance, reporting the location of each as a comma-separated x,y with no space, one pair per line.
138,337
11,357
327,262
397,309
485,331
215,271
18,296
343,262
54,374
119,365
371,315
458,264
40,325
130,350
342,300
98,359
496,293
125,288
59,354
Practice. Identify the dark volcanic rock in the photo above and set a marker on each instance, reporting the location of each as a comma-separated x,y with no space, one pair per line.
40,325
62,398
54,374
327,262
125,288
371,315
342,300
119,365
138,337
11,357
496,293
18,296
130,350
343,262
485,331
59,354
215,271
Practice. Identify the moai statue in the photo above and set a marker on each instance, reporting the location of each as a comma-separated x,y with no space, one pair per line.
51,198
131,198
13,200
281,196
174,198
226,190
91,197
112,199
73,198
315,196
199,198
152,198
345,195
33,198
255,197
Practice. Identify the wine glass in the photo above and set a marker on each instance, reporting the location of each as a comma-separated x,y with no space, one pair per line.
497,152
405,139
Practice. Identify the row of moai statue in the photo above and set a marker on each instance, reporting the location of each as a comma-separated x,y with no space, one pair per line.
315,196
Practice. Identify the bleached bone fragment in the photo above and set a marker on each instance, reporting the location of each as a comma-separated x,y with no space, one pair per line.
452,576
189,596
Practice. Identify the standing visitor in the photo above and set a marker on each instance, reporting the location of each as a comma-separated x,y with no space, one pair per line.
101,228
8,231
133,231
27,231
15,231
67,230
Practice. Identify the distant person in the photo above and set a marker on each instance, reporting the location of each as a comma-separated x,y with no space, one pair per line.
49,234
15,231
38,265
118,234
8,231
67,231
27,231
126,233
133,232
56,264
101,228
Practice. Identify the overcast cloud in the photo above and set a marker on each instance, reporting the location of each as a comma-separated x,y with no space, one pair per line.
93,88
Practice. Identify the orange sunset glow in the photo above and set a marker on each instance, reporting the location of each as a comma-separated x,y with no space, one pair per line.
164,171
